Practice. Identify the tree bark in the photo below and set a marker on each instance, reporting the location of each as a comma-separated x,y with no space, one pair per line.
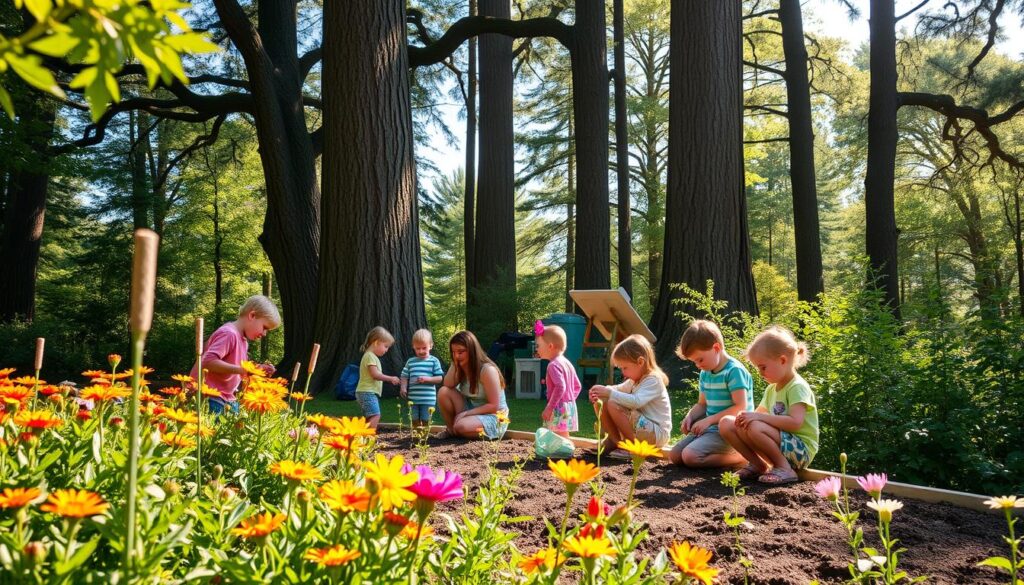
469,203
622,154
370,272
570,226
879,200
706,214
291,227
590,114
137,132
25,211
809,280
494,257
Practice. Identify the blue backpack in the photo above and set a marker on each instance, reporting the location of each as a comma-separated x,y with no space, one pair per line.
345,389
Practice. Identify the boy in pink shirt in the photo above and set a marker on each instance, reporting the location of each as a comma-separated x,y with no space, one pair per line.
563,384
229,346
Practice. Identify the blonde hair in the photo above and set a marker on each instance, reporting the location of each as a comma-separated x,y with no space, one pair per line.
635,348
776,342
264,309
701,335
555,335
376,334
423,336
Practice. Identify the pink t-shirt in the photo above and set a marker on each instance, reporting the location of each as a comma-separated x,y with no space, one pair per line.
563,384
229,345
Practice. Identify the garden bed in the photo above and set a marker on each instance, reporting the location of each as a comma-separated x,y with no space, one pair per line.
794,537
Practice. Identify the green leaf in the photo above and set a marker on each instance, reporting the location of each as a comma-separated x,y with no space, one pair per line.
98,97
30,68
57,44
112,88
5,101
39,8
191,42
997,562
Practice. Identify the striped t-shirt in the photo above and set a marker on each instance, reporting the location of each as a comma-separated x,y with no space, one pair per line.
717,387
415,368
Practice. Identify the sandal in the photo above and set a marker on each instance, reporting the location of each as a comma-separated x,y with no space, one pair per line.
776,476
443,434
749,473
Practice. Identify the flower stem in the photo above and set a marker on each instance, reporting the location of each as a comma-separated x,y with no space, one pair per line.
138,344
571,491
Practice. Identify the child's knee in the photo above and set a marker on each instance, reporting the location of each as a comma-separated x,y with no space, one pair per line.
692,458
727,425
676,454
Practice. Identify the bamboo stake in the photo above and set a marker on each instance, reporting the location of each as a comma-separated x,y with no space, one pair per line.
199,404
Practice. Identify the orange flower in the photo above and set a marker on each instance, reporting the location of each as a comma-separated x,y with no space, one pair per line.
147,396
114,360
574,471
6,372
334,556
259,526
350,427
409,530
18,497
640,449
15,394
336,442
49,390
210,392
296,470
183,379
75,504
185,417
101,393
191,429
321,421
177,440
300,396
94,374
28,381
693,561
345,496
253,369
545,557
262,401
170,390
589,547
37,419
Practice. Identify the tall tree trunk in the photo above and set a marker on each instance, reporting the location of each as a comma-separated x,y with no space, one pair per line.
570,226
291,227
1018,245
25,211
809,280
494,258
370,249
622,154
590,113
138,133
469,202
880,227
706,213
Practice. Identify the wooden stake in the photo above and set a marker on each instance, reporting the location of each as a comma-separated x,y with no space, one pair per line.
144,280
40,344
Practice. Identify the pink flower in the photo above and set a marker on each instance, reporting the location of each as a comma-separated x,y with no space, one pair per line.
434,486
828,488
873,483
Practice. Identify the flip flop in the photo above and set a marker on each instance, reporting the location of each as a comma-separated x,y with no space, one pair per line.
749,473
444,434
776,476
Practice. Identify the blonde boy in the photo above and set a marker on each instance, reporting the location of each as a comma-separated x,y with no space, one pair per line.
726,389
420,377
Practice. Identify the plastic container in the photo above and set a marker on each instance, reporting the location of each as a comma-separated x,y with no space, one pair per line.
575,326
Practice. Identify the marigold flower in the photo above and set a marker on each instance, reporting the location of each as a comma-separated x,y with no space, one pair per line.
147,396
828,488
177,440
409,530
192,429
114,360
355,426
336,442
388,482
262,401
259,526
873,483
589,547
14,394
545,557
94,374
180,416
210,392
574,471
320,420
296,470
18,497
640,449
183,379
345,496
170,390
73,503
5,372
300,396
28,381
50,390
101,393
37,419
253,369
693,561
885,508
334,556
1004,502
502,417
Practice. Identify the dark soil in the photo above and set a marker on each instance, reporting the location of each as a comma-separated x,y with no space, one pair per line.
794,539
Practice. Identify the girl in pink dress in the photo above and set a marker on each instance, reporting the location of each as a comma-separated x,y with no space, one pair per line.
563,385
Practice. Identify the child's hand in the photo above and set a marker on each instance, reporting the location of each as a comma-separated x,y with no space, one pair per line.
685,426
546,415
600,393
268,369
746,417
700,426
394,380
403,393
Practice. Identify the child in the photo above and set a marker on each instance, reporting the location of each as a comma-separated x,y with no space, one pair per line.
639,407
420,376
781,436
563,385
371,378
228,346
726,389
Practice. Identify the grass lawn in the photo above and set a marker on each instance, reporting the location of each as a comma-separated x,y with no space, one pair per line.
524,413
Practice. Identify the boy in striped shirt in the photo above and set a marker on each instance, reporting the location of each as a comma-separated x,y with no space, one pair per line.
420,377
726,389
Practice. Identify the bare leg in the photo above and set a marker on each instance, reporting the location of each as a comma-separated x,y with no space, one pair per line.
676,454
735,436
449,402
615,420
373,421
562,434
764,440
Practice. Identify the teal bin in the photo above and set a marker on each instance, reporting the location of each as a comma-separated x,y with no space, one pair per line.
575,327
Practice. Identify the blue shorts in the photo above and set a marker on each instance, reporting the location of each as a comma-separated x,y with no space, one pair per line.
217,405
492,428
421,411
368,403
794,450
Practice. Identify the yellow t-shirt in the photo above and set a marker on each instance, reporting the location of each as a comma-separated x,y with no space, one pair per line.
779,402
366,381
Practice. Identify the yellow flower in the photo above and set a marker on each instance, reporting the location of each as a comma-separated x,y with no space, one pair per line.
321,421
589,547
191,429
177,440
640,449
185,417
693,561
345,496
272,386
75,504
296,470
253,369
262,401
183,379
1004,502
502,418
574,471
300,396
885,508
334,556
350,427
147,396
210,392
18,497
14,394
388,483
6,372
101,393
37,419
28,381
545,557
409,531
259,526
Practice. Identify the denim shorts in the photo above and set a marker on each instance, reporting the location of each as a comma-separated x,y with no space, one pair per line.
368,403
489,422
421,411
217,405
708,443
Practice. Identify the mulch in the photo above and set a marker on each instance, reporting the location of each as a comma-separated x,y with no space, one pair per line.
794,537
